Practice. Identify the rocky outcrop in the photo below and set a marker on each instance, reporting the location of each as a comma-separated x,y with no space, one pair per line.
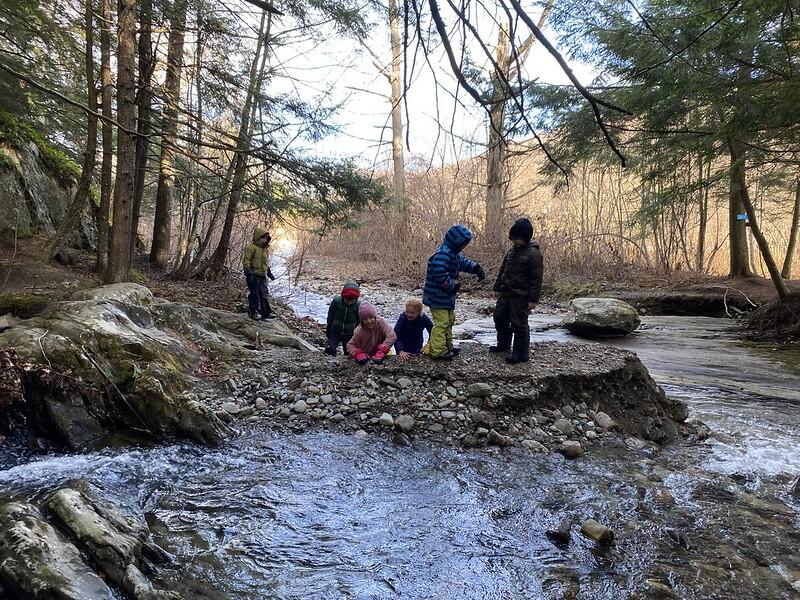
142,353
34,198
38,560
601,317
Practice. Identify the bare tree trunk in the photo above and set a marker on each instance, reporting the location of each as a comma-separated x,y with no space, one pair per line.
786,272
90,155
739,260
497,155
217,261
144,103
496,152
119,263
183,267
737,151
108,136
700,258
162,226
403,205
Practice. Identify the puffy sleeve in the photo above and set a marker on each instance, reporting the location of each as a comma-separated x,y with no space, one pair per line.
535,272
398,332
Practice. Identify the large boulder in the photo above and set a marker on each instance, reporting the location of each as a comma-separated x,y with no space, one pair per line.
601,317
142,352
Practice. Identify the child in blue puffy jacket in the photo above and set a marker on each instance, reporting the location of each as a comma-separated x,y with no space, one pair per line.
442,285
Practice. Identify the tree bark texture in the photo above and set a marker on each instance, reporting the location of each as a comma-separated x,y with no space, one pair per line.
739,261
90,155
119,262
144,103
786,271
496,176
108,136
162,224
737,150
398,160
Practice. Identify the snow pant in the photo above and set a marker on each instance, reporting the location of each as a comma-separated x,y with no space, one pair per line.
511,318
441,341
335,338
258,298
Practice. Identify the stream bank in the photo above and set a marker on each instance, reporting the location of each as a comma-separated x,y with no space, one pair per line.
324,513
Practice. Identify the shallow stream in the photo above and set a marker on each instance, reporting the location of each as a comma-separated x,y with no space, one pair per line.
322,515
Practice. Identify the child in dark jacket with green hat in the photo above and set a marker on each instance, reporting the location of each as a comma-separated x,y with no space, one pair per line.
342,317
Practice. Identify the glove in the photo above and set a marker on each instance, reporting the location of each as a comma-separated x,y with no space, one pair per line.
270,275
360,357
380,354
248,274
480,272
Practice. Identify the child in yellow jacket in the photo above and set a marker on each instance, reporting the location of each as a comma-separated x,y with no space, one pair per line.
255,261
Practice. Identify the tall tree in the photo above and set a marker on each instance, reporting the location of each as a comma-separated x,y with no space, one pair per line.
216,264
119,262
791,247
162,224
144,104
106,20
398,161
90,155
506,72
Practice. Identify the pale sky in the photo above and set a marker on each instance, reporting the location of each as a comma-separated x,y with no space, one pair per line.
345,70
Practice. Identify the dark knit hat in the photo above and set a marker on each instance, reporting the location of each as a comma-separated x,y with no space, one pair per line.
521,230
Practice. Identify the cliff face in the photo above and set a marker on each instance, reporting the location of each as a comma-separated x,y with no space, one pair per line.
37,183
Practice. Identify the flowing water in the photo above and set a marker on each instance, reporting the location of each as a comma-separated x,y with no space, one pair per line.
324,515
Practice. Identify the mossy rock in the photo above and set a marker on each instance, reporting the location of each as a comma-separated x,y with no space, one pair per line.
23,305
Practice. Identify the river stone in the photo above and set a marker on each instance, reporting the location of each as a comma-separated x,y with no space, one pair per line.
230,408
285,411
436,428
404,423
361,434
564,426
561,532
596,531
300,407
404,382
533,446
261,404
603,421
479,390
337,418
386,420
571,449
448,414
601,317
312,389
40,563
497,438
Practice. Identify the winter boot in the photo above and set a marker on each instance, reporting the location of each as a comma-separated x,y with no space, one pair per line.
515,359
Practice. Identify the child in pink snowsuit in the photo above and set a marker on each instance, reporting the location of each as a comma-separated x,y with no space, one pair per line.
372,339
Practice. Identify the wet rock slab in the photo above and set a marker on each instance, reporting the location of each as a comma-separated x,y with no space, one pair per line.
75,547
